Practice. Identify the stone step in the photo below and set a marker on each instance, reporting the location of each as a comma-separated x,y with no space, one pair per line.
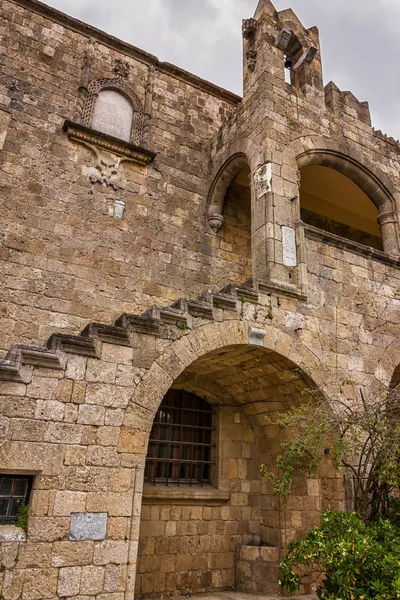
88,342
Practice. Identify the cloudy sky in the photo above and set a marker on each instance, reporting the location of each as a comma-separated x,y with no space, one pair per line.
360,40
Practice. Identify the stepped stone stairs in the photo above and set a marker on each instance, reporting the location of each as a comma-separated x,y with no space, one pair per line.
155,321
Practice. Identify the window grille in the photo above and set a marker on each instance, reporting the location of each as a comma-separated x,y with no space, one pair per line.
180,446
14,491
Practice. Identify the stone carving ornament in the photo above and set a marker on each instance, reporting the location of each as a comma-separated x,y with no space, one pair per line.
122,68
107,168
215,222
249,27
251,57
262,179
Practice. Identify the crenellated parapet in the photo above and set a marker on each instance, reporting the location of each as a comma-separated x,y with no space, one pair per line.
345,103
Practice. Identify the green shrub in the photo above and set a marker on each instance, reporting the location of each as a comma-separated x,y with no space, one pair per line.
359,560
22,518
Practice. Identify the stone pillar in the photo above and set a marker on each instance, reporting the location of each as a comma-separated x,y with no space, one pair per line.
388,222
262,221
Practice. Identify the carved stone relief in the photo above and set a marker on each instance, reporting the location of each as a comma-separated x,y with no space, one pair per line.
262,179
121,68
251,57
249,27
106,170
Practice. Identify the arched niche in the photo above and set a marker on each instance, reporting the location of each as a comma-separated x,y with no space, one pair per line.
113,114
229,215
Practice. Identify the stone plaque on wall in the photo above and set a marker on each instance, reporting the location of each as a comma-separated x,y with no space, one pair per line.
88,526
289,246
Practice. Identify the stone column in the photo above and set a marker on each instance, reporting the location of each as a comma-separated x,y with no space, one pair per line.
262,221
388,222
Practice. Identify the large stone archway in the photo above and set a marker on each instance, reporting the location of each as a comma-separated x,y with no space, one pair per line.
189,537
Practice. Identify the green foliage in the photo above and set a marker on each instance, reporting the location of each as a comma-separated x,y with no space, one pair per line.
183,326
270,314
22,517
360,561
362,436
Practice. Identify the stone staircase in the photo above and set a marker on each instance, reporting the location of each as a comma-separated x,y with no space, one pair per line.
157,321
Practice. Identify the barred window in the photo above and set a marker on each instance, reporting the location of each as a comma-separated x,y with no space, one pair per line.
14,492
180,446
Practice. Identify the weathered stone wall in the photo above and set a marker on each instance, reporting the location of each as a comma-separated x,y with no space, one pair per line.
66,260
190,544
77,415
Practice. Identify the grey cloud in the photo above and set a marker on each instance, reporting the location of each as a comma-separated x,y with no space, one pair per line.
359,40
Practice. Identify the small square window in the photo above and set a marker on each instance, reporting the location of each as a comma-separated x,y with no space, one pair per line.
14,492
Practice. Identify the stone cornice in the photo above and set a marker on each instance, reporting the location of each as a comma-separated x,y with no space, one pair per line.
86,135
128,50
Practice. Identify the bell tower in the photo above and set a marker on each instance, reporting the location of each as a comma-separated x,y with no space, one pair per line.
279,51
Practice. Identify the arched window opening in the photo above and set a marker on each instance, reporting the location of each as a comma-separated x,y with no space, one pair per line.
333,202
180,445
292,54
113,114
288,63
236,235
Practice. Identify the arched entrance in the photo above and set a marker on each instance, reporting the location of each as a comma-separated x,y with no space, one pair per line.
190,533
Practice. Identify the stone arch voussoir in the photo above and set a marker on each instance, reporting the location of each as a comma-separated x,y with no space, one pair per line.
199,342
226,166
346,158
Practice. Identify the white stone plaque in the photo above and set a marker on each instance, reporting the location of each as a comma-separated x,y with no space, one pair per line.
289,246
88,526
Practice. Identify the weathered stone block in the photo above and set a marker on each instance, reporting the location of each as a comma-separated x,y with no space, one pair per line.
88,526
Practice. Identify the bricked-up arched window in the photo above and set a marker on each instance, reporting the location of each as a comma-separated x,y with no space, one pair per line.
112,107
180,446
113,114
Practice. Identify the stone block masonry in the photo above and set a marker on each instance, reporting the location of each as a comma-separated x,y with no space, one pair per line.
172,254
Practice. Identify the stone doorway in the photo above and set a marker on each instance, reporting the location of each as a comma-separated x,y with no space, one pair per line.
191,536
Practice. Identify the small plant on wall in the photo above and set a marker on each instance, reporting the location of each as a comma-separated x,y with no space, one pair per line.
358,552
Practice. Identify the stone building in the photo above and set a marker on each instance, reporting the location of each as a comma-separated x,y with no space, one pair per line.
177,264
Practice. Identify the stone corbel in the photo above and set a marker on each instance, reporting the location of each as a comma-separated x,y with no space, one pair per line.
110,152
249,28
215,222
262,179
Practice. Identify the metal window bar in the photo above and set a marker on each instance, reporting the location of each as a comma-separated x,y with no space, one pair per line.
14,492
181,441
